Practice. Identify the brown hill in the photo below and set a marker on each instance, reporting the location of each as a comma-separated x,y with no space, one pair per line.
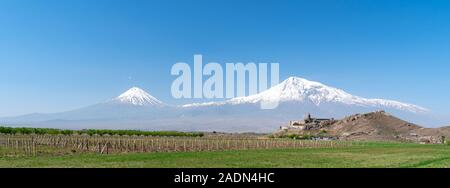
372,126
379,126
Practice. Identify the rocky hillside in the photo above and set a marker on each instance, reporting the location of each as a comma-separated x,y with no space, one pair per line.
375,126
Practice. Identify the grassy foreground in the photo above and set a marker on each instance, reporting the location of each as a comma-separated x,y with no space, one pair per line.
367,155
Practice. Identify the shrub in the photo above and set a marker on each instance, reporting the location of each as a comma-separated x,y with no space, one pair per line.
296,136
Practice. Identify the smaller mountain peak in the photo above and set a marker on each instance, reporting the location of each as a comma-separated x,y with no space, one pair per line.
135,89
138,97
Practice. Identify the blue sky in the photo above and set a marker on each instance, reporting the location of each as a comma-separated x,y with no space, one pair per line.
61,55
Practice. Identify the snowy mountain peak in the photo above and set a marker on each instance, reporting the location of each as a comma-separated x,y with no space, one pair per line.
300,89
296,89
297,81
138,97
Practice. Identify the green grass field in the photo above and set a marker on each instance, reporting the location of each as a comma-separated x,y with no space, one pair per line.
378,155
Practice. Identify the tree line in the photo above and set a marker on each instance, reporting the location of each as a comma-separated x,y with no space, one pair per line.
91,132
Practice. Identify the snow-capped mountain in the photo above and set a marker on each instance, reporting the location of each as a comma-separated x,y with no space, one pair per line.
138,97
135,103
295,89
137,109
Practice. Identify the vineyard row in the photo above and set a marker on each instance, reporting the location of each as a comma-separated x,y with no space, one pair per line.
33,145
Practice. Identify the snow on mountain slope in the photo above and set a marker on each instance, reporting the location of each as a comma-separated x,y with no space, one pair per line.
137,97
295,89
134,103
136,109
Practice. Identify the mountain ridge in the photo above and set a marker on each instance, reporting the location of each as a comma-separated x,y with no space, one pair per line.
300,89
137,109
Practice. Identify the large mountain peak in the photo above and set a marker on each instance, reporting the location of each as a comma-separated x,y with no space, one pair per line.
298,89
137,97
302,90
300,82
